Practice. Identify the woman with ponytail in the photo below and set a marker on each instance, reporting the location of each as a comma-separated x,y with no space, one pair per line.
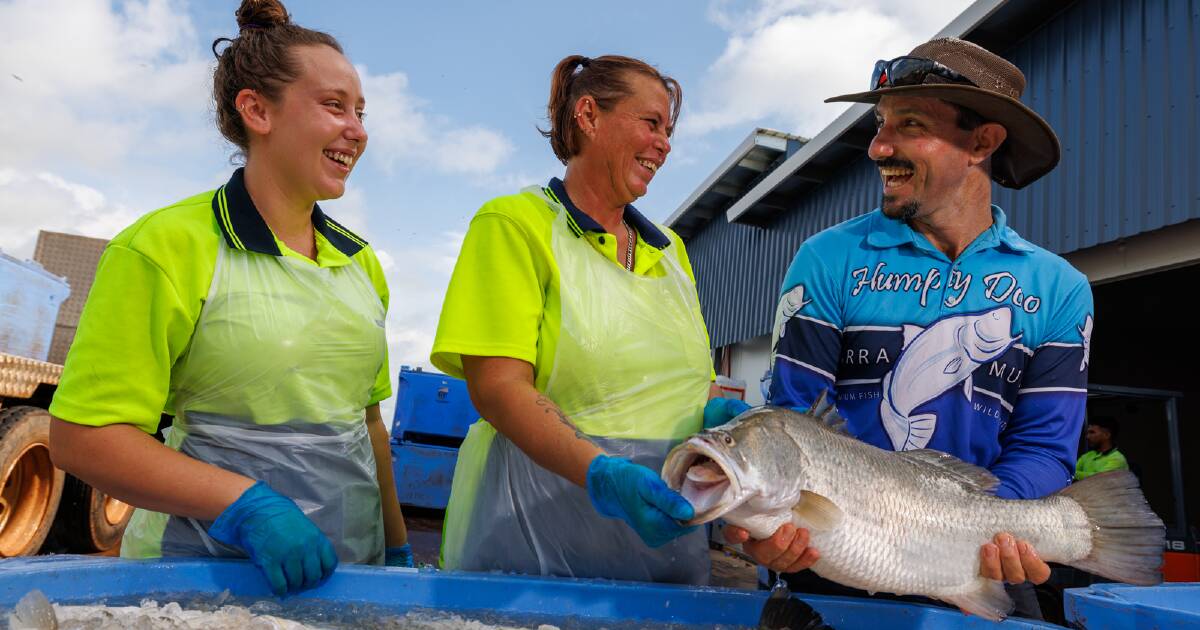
255,320
575,321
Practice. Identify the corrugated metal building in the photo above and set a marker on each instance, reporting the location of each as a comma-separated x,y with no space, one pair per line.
1119,81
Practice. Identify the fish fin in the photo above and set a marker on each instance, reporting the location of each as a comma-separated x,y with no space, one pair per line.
824,411
968,387
830,417
827,413
818,407
784,611
1127,536
816,512
920,429
910,332
989,601
973,476
952,366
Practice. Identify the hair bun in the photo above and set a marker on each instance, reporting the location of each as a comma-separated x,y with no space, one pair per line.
261,14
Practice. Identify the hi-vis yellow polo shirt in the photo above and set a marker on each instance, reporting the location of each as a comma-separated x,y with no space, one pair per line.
503,298
150,286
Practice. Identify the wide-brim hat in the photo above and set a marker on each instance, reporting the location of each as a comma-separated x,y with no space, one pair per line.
1031,148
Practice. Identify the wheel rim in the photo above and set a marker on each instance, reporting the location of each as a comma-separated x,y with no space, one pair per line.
25,492
115,511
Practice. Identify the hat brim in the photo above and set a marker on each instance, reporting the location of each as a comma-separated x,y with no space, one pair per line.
1031,149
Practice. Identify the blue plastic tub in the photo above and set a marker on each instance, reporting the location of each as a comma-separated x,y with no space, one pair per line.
433,413
423,473
1104,606
79,580
431,408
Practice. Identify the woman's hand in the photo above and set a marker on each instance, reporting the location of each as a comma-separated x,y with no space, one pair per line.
635,494
292,552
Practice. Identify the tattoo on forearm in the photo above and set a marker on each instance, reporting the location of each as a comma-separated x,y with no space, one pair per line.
553,409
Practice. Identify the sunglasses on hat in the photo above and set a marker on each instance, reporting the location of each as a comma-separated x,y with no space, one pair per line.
911,71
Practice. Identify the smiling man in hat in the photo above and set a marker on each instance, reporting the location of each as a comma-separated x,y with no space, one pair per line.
934,323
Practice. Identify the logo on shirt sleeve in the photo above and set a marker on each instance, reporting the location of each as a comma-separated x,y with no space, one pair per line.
790,303
1085,331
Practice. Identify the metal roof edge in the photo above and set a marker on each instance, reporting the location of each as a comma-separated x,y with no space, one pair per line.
828,135
759,137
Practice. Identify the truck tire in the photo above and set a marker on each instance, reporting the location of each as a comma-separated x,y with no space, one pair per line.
89,521
30,485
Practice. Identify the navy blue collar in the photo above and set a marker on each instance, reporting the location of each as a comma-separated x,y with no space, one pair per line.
245,229
645,228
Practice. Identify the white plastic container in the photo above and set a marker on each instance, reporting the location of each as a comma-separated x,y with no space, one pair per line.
30,298
732,387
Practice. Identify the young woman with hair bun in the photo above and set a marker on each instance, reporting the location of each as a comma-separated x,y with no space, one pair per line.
257,321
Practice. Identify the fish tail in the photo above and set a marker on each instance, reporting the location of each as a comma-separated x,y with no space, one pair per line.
1127,536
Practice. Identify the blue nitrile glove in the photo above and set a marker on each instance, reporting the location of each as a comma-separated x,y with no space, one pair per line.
399,556
288,548
635,494
718,411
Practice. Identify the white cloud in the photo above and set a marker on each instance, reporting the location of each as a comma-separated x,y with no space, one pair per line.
472,150
87,81
784,57
737,16
32,201
417,277
402,131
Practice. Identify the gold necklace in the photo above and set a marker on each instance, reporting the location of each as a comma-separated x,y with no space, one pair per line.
630,237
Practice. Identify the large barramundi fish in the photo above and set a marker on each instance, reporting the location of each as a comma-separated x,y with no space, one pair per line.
909,523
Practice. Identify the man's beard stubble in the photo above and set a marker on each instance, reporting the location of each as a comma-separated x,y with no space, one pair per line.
904,213
907,211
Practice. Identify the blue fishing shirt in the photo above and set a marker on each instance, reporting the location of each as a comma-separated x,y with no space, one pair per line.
984,357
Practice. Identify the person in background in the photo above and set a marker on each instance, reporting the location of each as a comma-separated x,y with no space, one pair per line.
257,321
1102,455
575,321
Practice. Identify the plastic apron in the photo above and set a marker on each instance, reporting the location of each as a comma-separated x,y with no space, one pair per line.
632,371
274,387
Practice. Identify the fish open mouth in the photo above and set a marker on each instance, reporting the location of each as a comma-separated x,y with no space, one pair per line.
704,481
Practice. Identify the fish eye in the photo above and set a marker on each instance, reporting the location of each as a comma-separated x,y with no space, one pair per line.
727,438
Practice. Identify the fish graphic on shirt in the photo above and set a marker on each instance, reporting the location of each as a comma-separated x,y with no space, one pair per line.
934,360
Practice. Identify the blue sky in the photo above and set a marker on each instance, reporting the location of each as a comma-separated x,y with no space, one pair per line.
106,113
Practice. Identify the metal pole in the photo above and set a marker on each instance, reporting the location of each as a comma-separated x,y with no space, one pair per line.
1176,465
